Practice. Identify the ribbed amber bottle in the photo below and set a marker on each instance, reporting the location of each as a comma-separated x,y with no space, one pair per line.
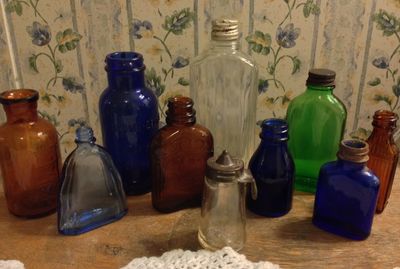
179,154
383,154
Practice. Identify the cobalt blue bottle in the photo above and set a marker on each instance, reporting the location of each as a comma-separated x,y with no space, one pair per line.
347,192
129,119
273,169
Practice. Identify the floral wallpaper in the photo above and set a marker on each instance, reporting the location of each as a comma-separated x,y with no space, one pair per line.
58,48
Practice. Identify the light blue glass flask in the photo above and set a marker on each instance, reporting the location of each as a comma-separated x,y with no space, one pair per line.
91,193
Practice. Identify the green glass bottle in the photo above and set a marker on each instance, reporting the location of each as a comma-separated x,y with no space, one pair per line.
316,119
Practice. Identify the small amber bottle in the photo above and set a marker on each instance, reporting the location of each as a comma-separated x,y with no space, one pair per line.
383,154
179,154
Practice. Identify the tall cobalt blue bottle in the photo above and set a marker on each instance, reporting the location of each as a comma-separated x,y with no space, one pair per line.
273,170
129,119
347,192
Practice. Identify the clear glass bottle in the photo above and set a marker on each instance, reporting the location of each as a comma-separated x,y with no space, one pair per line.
223,211
29,156
273,169
91,193
129,119
179,153
223,85
383,154
347,192
316,120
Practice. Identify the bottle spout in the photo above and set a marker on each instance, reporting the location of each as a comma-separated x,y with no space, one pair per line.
247,178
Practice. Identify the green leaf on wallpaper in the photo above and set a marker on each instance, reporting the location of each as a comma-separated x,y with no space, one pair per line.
374,82
296,65
270,68
46,98
67,40
58,65
396,88
154,82
32,63
14,6
360,133
383,98
388,23
182,81
51,118
259,42
178,21
310,8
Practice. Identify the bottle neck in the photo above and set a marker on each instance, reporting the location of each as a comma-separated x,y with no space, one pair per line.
225,45
120,80
21,112
320,89
350,165
180,111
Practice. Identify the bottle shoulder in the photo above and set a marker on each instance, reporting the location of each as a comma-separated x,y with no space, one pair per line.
317,102
210,56
143,96
336,172
170,135
39,130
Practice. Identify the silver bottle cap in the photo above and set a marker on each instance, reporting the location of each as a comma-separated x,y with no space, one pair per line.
224,168
225,30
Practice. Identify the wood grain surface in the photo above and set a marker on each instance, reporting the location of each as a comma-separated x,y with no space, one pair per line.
291,241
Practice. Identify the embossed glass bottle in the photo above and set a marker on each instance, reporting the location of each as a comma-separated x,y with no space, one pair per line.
383,154
91,193
347,192
223,86
316,119
179,153
29,156
129,120
273,169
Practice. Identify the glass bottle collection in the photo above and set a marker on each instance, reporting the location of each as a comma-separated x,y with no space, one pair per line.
176,162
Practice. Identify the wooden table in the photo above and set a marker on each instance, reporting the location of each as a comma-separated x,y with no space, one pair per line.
291,241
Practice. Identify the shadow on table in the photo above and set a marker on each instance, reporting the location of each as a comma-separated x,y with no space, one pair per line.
302,229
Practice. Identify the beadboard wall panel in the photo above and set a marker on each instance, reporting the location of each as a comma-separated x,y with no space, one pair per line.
58,48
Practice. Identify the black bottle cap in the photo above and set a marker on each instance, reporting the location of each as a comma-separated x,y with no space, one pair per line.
321,77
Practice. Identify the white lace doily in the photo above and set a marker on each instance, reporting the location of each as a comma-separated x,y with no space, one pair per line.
202,259
11,264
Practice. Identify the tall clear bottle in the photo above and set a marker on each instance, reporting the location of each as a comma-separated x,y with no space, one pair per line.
223,85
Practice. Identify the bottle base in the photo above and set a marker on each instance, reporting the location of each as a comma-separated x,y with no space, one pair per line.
34,215
95,225
205,245
305,184
344,231
269,214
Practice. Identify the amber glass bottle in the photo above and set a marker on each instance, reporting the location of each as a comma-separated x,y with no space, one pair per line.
179,154
383,154
29,156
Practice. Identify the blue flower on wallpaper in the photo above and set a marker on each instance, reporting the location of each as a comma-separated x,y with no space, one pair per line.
180,62
40,34
74,122
70,84
381,62
141,28
263,86
287,37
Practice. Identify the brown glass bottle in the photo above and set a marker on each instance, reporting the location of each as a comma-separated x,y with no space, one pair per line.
383,154
179,154
29,156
